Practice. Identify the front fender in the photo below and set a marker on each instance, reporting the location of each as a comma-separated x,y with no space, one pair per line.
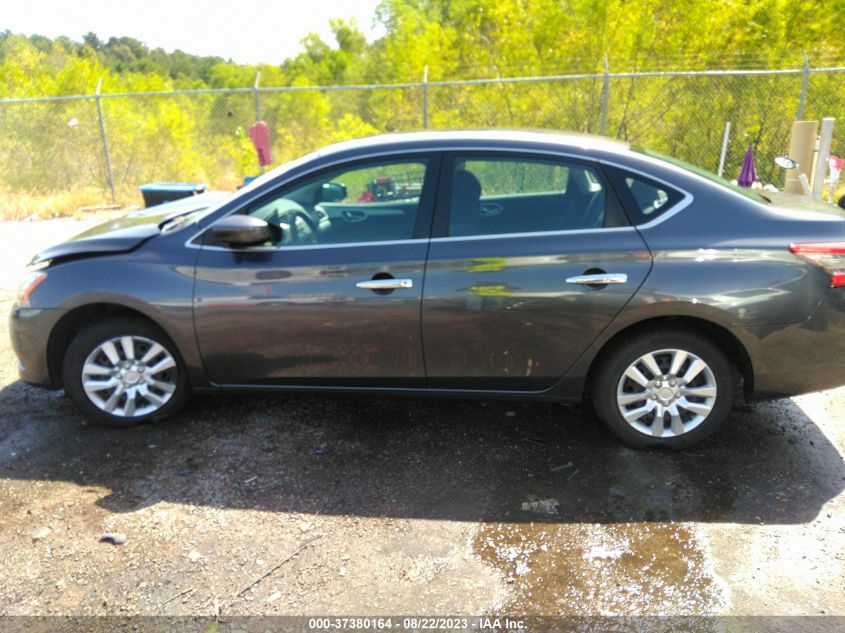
163,293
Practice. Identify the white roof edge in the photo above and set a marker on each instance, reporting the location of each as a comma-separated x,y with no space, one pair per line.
552,137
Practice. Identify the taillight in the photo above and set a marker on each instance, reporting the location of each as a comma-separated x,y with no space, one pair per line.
829,256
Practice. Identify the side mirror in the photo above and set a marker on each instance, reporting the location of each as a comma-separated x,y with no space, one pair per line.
241,230
332,192
785,162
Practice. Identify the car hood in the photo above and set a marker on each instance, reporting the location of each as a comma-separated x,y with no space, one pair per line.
129,231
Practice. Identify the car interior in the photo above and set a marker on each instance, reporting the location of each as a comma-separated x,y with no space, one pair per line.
379,202
492,197
368,204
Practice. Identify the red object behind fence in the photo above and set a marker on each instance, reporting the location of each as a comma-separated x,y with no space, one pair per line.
260,135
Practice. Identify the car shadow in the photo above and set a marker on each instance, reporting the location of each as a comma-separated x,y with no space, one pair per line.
457,460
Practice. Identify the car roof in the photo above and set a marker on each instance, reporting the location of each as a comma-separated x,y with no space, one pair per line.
442,140
445,138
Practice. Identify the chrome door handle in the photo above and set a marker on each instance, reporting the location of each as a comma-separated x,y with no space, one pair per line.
385,284
601,279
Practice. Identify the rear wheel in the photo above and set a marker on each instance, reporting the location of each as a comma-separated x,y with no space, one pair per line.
124,371
664,389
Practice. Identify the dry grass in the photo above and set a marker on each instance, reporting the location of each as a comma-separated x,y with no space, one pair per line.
19,205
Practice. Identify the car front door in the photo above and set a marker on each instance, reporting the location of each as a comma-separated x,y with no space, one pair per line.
334,297
530,259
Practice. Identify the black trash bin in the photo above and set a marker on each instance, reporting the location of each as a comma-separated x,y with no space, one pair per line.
156,193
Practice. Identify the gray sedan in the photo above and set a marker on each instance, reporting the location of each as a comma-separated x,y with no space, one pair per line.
466,264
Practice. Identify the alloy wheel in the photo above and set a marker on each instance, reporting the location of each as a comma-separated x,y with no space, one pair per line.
666,393
129,376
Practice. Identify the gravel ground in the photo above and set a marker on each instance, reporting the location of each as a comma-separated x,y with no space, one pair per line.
329,505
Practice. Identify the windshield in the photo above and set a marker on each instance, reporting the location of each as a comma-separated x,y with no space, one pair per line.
748,193
249,187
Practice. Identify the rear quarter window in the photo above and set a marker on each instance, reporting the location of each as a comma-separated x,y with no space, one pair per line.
644,199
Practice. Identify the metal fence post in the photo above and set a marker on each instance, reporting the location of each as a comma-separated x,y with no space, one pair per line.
725,137
804,81
605,85
425,96
105,138
256,97
825,140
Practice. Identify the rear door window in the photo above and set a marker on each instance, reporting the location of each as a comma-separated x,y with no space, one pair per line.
494,195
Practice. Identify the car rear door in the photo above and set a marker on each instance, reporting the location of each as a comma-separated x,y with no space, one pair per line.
336,300
530,259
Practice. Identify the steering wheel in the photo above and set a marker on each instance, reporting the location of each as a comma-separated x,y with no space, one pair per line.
299,236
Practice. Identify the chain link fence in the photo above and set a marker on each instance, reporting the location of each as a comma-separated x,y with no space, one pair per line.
115,142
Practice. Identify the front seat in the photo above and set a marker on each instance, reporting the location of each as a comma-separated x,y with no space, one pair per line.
465,207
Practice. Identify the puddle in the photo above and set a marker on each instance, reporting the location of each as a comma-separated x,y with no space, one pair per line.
589,569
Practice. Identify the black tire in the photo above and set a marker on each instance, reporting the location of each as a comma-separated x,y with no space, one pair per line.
90,338
615,362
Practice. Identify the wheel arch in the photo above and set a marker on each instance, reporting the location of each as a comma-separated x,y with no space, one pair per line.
734,350
74,320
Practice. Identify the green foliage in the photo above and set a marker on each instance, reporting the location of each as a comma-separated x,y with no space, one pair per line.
54,146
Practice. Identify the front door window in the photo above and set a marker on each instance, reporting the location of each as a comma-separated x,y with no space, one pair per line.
367,202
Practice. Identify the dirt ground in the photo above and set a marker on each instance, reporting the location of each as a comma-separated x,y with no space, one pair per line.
329,505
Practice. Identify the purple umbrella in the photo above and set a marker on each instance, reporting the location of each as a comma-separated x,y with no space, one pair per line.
748,173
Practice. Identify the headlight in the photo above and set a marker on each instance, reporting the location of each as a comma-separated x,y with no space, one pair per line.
28,283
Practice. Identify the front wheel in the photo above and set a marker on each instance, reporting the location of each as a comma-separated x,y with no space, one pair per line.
664,389
124,371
